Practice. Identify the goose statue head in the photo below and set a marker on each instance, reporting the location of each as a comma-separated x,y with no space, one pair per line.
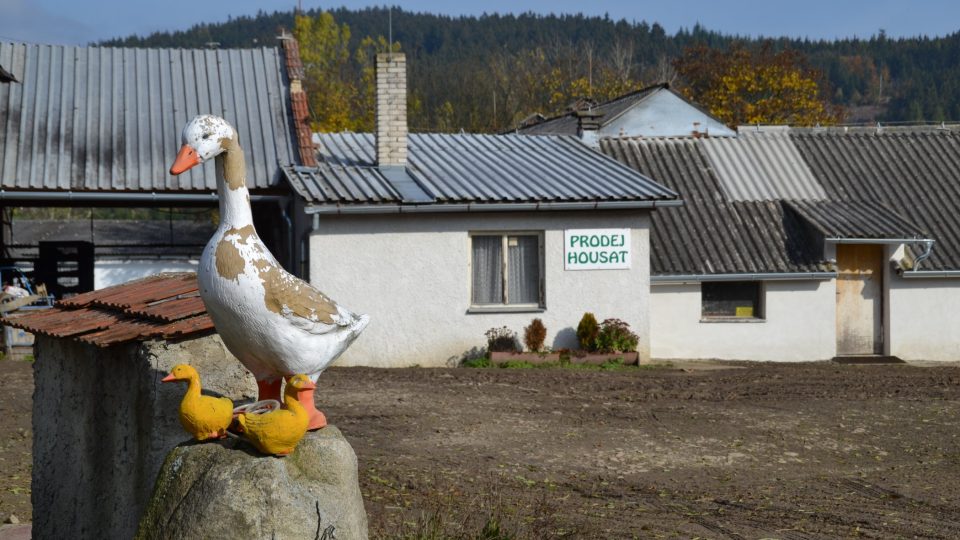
205,137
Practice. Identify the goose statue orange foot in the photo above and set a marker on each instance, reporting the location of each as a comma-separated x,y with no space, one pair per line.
276,324
203,417
278,432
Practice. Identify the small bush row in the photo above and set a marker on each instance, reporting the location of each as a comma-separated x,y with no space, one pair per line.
609,336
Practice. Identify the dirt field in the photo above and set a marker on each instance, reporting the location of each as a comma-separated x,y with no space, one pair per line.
748,451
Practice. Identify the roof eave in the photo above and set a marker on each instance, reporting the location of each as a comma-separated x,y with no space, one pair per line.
328,209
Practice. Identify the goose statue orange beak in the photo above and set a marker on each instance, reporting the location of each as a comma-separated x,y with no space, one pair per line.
186,159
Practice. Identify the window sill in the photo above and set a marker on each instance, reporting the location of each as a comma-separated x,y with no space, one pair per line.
732,320
506,309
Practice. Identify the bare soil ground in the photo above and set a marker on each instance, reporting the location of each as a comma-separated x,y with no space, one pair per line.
782,451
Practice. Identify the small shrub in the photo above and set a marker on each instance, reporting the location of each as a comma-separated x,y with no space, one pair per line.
616,336
534,335
502,340
587,332
481,362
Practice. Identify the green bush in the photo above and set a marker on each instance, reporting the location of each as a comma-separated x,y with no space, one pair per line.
615,336
502,340
587,332
534,335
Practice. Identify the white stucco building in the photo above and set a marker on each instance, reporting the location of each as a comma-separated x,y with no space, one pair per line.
441,237
805,244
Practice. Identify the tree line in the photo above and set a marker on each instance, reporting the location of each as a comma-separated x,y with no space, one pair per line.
488,73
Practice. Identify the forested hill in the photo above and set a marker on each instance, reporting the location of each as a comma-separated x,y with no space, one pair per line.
471,72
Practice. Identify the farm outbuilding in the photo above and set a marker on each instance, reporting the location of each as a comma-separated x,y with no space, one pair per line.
805,243
98,127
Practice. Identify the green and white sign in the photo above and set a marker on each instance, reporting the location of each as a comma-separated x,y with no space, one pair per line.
596,249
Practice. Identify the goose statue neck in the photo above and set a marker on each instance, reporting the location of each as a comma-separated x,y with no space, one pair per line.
211,137
232,189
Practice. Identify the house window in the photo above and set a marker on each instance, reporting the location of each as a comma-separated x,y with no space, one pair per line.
507,270
732,300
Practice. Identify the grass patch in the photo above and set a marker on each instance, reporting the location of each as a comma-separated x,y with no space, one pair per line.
614,364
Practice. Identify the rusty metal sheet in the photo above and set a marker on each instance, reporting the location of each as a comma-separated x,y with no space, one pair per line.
187,327
123,332
165,306
171,310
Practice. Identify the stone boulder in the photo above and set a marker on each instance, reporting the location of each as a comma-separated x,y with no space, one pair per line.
227,490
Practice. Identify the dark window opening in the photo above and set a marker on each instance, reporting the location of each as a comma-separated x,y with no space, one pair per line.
735,299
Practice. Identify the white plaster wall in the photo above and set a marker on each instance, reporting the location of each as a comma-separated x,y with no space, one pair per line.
924,323
800,324
114,272
411,273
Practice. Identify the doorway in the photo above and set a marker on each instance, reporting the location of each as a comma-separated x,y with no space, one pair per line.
859,299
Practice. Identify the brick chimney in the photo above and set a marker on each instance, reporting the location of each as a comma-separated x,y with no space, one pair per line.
391,117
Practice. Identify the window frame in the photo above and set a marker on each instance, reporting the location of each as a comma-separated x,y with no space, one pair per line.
503,307
761,305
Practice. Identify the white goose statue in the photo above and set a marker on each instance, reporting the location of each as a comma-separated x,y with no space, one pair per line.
276,324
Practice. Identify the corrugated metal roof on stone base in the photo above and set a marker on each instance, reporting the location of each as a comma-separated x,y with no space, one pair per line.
164,306
471,168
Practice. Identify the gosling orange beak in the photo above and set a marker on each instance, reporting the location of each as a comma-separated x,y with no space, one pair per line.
168,378
186,158
310,385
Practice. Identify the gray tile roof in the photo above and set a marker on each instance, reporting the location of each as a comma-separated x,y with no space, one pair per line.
566,124
761,167
913,171
109,119
711,234
857,220
466,168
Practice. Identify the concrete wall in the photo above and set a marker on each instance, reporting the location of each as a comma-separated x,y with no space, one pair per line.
411,274
923,320
103,423
800,324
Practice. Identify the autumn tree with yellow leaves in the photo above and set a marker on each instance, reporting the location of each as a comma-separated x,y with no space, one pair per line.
340,83
755,86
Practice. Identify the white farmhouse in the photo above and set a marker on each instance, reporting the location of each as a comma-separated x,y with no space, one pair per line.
440,237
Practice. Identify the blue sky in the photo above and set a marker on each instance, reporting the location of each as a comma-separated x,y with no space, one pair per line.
83,21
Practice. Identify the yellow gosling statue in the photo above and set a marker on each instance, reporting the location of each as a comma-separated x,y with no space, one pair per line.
278,432
203,417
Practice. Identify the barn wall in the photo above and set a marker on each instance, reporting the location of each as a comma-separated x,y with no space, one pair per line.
103,424
800,324
411,274
923,320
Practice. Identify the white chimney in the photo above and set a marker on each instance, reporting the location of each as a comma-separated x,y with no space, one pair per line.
391,118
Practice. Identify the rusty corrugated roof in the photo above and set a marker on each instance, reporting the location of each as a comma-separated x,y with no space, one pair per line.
164,306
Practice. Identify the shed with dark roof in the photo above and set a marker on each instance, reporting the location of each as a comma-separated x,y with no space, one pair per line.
818,233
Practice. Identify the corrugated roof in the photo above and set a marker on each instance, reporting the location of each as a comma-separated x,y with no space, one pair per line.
567,123
914,171
469,168
857,219
109,119
165,306
762,167
709,234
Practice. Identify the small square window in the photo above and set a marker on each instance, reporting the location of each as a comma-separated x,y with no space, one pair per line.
732,300
507,270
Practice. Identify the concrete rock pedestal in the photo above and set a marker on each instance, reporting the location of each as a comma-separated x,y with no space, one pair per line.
227,489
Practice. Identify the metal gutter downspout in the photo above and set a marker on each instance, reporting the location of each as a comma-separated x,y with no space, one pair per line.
490,207
113,196
914,274
760,276
923,256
